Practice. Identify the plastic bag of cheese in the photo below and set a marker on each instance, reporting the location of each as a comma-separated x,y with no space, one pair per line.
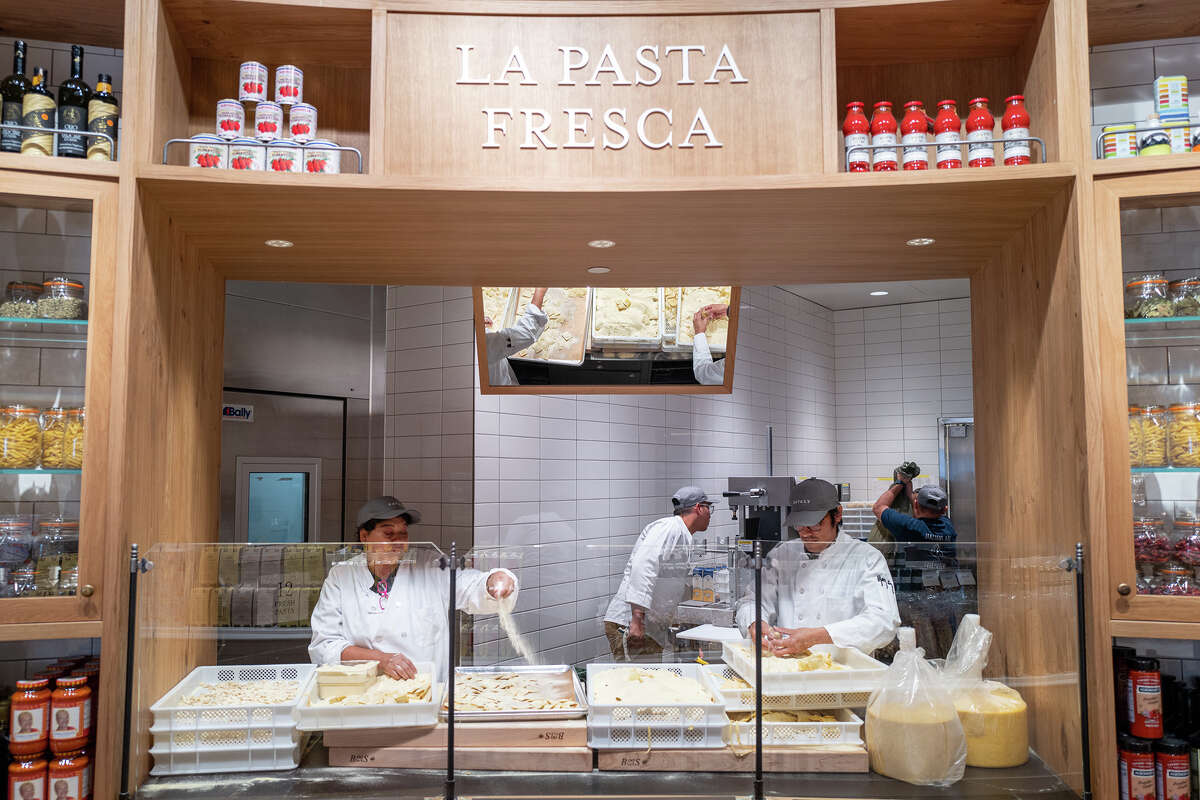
913,732
993,716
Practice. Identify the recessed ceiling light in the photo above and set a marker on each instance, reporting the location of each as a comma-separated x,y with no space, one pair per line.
277,243
921,241
602,243
598,270
879,294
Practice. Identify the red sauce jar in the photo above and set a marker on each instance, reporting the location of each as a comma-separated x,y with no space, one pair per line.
947,135
883,134
1015,124
27,778
70,715
914,135
69,777
1172,769
29,724
979,129
1135,759
1145,698
856,131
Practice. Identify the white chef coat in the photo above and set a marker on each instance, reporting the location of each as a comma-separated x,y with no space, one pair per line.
503,343
656,577
411,620
708,372
847,590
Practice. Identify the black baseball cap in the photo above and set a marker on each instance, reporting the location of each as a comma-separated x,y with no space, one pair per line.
811,500
386,508
932,497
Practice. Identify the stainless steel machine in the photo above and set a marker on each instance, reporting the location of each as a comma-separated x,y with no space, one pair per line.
761,507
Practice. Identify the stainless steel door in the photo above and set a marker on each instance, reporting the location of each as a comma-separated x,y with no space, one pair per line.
956,457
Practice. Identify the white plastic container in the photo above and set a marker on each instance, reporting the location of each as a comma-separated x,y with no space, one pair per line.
667,725
247,154
168,761
321,159
602,295
284,155
863,675
311,717
268,121
231,119
847,730
302,122
742,699
208,151
289,85
169,715
252,82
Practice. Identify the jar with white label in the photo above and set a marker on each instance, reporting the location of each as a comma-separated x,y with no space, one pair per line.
289,85
302,122
231,119
268,121
252,82
320,158
207,152
247,154
284,155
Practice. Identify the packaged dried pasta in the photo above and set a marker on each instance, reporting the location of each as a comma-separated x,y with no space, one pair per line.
1183,435
20,437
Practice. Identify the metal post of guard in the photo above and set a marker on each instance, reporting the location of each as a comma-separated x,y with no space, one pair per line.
454,564
1100,137
757,644
229,143
899,147
112,143
136,567
1081,624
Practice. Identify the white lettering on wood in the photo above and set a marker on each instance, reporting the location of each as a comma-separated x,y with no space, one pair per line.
700,127
568,65
615,127
641,128
465,51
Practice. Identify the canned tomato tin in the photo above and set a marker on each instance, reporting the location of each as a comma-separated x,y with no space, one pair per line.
1135,759
231,118
252,82
1180,134
284,156
321,158
1145,698
1172,769
1122,143
289,85
268,121
207,152
247,154
302,122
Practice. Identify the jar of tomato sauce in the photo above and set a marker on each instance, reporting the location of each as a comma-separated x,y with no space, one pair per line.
70,715
27,778
857,132
29,723
883,135
980,152
914,135
68,777
947,135
1015,124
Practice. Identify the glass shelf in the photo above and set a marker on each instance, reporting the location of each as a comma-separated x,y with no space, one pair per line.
1149,470
37,331
46,321
40,471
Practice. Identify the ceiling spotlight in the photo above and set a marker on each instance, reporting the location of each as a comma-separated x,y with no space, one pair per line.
879,294
920,242
602,243
277,243
598,270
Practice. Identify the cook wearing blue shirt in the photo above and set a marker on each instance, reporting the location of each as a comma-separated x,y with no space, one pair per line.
928,524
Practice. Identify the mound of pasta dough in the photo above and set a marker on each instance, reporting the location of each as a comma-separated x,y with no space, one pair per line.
637,686
508,691
387,690
807,661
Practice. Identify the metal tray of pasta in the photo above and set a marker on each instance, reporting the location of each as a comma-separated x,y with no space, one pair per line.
557,685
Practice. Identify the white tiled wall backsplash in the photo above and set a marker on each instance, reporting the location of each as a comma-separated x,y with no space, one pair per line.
21,660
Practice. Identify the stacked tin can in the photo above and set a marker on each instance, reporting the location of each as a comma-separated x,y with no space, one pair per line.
266,143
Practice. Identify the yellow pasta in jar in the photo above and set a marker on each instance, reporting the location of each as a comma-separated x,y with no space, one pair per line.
62,438
1154,437
1183,431
20,438
1135,436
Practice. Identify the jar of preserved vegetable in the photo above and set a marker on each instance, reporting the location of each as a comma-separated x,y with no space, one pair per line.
1146,296
1183,435
1147,585
16,542
1185,297
62,438
20,437
62,298
1151,545
20,299
1176,580
1154,436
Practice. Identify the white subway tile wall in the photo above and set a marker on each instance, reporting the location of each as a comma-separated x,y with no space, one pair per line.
21,660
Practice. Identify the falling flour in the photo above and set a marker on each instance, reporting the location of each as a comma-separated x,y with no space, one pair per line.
509,626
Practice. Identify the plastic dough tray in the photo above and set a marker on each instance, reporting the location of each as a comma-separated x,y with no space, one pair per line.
684,321
170,715
578,310
863,674
847,730
311,717
625,726
601,341
743,699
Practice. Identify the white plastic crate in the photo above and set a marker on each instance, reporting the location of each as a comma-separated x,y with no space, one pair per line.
863,674
743,699
172,717
600,341
384,715
847,730
217,738
171,761
675,725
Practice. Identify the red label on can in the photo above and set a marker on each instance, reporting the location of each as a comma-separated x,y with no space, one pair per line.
1145,704
1173,776
1137,777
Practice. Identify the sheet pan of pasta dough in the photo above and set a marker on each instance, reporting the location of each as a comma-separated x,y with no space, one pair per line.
483,694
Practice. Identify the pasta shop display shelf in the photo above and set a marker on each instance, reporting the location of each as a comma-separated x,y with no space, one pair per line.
40,471
1174,330
21,331
1155,470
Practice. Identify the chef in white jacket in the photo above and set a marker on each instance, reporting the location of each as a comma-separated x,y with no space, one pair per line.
825,587
656,579
522,333
707,371
388,604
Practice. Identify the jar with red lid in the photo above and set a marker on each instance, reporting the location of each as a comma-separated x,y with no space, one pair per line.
947,135
1151,545
70,715
980,122
68,776
1144,701
27,778
1015,124
914,135
29,721
1135,758
856,133
883,135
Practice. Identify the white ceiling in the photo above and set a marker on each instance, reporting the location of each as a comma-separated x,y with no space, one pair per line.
840,296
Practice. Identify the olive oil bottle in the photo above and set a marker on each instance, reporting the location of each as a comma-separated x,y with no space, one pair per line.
38,111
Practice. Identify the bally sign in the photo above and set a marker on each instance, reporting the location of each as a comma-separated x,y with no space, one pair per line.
231,413
604,97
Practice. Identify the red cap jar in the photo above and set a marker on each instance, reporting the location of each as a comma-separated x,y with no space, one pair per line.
914,136
980,122
856,131
1015,124
29,725
70,715
883,135
947,135
27,778
1145,698
68,776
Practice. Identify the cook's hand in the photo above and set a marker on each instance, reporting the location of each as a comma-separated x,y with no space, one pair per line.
700,321
539,295
500,585
487,321
768,634
794,641
637,629
395,665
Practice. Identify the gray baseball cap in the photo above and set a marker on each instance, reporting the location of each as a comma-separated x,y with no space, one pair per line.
687,497
811,500
386,508
932,497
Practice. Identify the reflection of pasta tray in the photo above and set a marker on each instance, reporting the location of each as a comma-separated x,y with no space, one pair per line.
862,673
578,310
560,680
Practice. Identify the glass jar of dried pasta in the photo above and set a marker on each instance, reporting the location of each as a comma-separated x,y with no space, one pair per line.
1154,437
1183,434
20,437
62,438
1135,436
